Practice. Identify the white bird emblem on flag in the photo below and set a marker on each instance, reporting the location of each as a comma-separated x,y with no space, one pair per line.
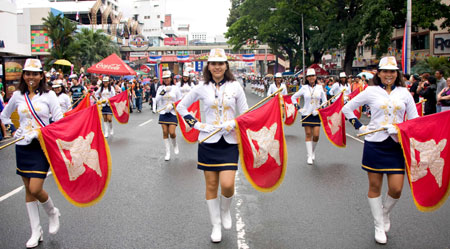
335,122
81,153
290,110
121,107
268,145
430,158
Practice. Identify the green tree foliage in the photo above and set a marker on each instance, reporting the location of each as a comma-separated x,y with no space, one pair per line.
431,64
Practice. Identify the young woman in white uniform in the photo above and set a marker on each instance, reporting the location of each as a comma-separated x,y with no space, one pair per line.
104,92
277,84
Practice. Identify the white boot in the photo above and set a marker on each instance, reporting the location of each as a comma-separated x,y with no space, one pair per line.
53,216
167,144
214,214
309,152
153,105
36,229
314,144
388,204
376,206
175,146
225,214
111,131
106,131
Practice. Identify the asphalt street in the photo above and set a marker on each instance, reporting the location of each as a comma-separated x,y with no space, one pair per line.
151,203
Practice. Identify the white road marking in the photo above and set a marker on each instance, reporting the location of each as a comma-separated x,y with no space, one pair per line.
240,225
17,190
357,139
146,122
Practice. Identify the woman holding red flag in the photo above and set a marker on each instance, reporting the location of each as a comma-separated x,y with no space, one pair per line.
222,97
35,105
314,96
388,100
104,92
185,85
166,95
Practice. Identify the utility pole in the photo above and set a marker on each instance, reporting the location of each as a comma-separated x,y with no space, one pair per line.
303,50
408,39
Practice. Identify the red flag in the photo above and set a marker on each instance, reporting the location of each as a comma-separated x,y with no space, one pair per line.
79,156
426,148
333,122
189,134
353,94
289,110
262,146
419,107
84,103
120,107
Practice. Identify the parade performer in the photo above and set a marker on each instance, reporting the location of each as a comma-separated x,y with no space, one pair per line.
340,85
313,96
185,84
388,100
222,97
104,92
166,95
277,84
35,105
64,100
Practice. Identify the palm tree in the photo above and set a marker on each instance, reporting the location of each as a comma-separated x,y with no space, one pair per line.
431,64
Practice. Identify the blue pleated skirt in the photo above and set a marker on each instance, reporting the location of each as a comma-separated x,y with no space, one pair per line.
168,119
311,121
106,110
218,156
383,157
31,160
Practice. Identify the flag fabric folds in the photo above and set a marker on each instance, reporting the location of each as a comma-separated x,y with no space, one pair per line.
353,94
183,58
426,150
79,156
189,134
154,59
84,103
120,107
290,111
333,122
419,107
262,146
248,57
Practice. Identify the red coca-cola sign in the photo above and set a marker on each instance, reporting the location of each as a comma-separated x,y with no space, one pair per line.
100,65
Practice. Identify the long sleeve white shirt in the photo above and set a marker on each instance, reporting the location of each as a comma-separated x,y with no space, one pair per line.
64,102
273,88
46,105
220,105
185,89
336,88
313,96
105,94
171,96
385,108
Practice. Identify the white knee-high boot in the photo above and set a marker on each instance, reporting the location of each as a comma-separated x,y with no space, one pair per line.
36,229
111,131
376,206
388,205
106,131
167,145
225,214
309,151
214,215
313,156
175,146
153,105
53,216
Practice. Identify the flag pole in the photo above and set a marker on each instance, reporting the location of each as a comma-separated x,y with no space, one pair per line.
76,102
248,110
370,132
11,143
324,104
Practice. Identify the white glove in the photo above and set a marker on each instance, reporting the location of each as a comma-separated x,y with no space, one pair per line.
30,136
18,134
204,127
301,110
345,98
366,128
315,112
169,108
390,129
228,126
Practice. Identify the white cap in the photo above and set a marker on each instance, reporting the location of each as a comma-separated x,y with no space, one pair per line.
73,76
48,75
388,63
310,72
185,74
33,65
342,75
278,75
105,78
56,85
166,74
217,54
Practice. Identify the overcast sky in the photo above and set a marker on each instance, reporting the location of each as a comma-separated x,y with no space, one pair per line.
203,15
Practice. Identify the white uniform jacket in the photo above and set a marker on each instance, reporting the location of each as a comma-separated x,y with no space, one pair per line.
46,105
219,104
64,102
105,94
313,96
185,89
171,96
384,108
336,88
273,88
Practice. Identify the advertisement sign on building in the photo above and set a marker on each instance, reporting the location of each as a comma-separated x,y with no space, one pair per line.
138,41
175,41
138,54
441,44
39,41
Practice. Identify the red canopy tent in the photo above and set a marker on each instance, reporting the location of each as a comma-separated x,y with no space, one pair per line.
319,70
111,65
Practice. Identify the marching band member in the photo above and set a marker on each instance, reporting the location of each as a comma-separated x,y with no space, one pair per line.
222,97
313,96
388,99
277,84
63,98
185,84
104,92
340,85
166,95
35,105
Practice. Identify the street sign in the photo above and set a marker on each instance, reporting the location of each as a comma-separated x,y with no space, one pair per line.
198,66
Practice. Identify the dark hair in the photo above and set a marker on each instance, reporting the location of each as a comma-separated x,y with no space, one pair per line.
42,88
109,86
171,80
307,81
63,90
441,72
184,82
207,76
398,81
432,80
